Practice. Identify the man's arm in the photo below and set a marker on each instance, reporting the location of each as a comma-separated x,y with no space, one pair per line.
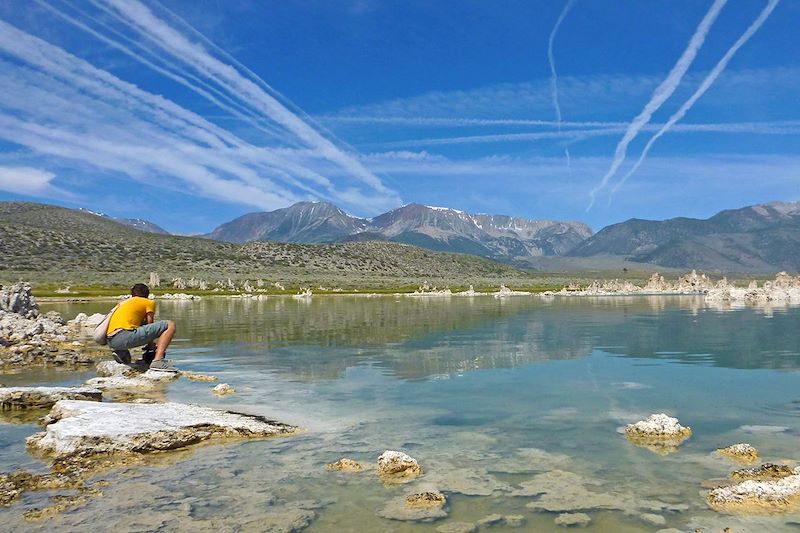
149,317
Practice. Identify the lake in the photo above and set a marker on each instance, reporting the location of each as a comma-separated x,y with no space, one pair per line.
512,406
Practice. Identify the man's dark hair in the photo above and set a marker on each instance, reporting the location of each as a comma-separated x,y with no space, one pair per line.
141,290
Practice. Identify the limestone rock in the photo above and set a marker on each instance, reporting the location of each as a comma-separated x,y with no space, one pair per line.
659,433
655,519
192,376
498,519
40,397
112,368
394,465
425,506
573,519
17,298
80,428
491,520
754,497
763,472
135,381
222,389
741,452
345,465
425,499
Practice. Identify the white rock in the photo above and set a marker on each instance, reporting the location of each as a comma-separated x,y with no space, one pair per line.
94,320
23,397
777,494
223,389
85,428
132,381
657,425
112,368
398,464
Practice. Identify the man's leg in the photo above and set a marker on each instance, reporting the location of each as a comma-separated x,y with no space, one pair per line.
164,339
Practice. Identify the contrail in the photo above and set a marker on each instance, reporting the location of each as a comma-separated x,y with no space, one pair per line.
707,82
250,91
553,74
660,95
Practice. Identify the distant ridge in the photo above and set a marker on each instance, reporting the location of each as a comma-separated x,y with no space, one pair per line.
758,238
136,223
436,228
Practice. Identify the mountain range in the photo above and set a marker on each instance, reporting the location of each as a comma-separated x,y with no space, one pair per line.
436,228
758,238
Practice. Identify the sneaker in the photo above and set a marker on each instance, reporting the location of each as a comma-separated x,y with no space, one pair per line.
141,365
163,365
122,357
148,355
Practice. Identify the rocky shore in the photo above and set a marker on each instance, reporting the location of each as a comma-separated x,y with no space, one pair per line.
28,337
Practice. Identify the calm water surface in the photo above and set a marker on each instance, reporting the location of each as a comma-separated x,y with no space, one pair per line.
512,406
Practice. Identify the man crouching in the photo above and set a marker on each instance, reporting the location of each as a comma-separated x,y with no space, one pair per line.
132,325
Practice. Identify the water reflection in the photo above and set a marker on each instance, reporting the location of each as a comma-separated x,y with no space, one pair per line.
416,338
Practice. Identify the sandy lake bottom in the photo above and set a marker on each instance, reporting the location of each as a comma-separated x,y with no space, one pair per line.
512,406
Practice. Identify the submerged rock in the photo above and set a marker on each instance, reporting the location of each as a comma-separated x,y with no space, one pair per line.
659,433
12,485
426,505
457,527
80,428
512,520
41,397
398,466
741,452
198,377
345,465
573,519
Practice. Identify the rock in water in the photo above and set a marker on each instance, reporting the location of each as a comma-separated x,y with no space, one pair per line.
741,452
17,298
426,499
345,465
398,466
222,389
40,397
764,472
659,433
754,497
79,428
573,519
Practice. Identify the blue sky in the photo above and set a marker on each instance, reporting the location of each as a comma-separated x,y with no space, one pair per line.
190,113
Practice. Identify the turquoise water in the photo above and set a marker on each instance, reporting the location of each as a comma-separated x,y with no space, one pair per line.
512,406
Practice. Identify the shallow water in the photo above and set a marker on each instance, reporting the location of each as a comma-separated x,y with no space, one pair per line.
488,394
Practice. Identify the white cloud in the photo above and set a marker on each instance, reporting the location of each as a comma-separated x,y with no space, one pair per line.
59,105
27,181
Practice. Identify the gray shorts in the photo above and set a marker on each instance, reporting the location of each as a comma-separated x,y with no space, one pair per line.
131,338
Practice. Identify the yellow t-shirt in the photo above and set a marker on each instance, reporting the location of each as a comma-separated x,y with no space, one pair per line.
131,313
